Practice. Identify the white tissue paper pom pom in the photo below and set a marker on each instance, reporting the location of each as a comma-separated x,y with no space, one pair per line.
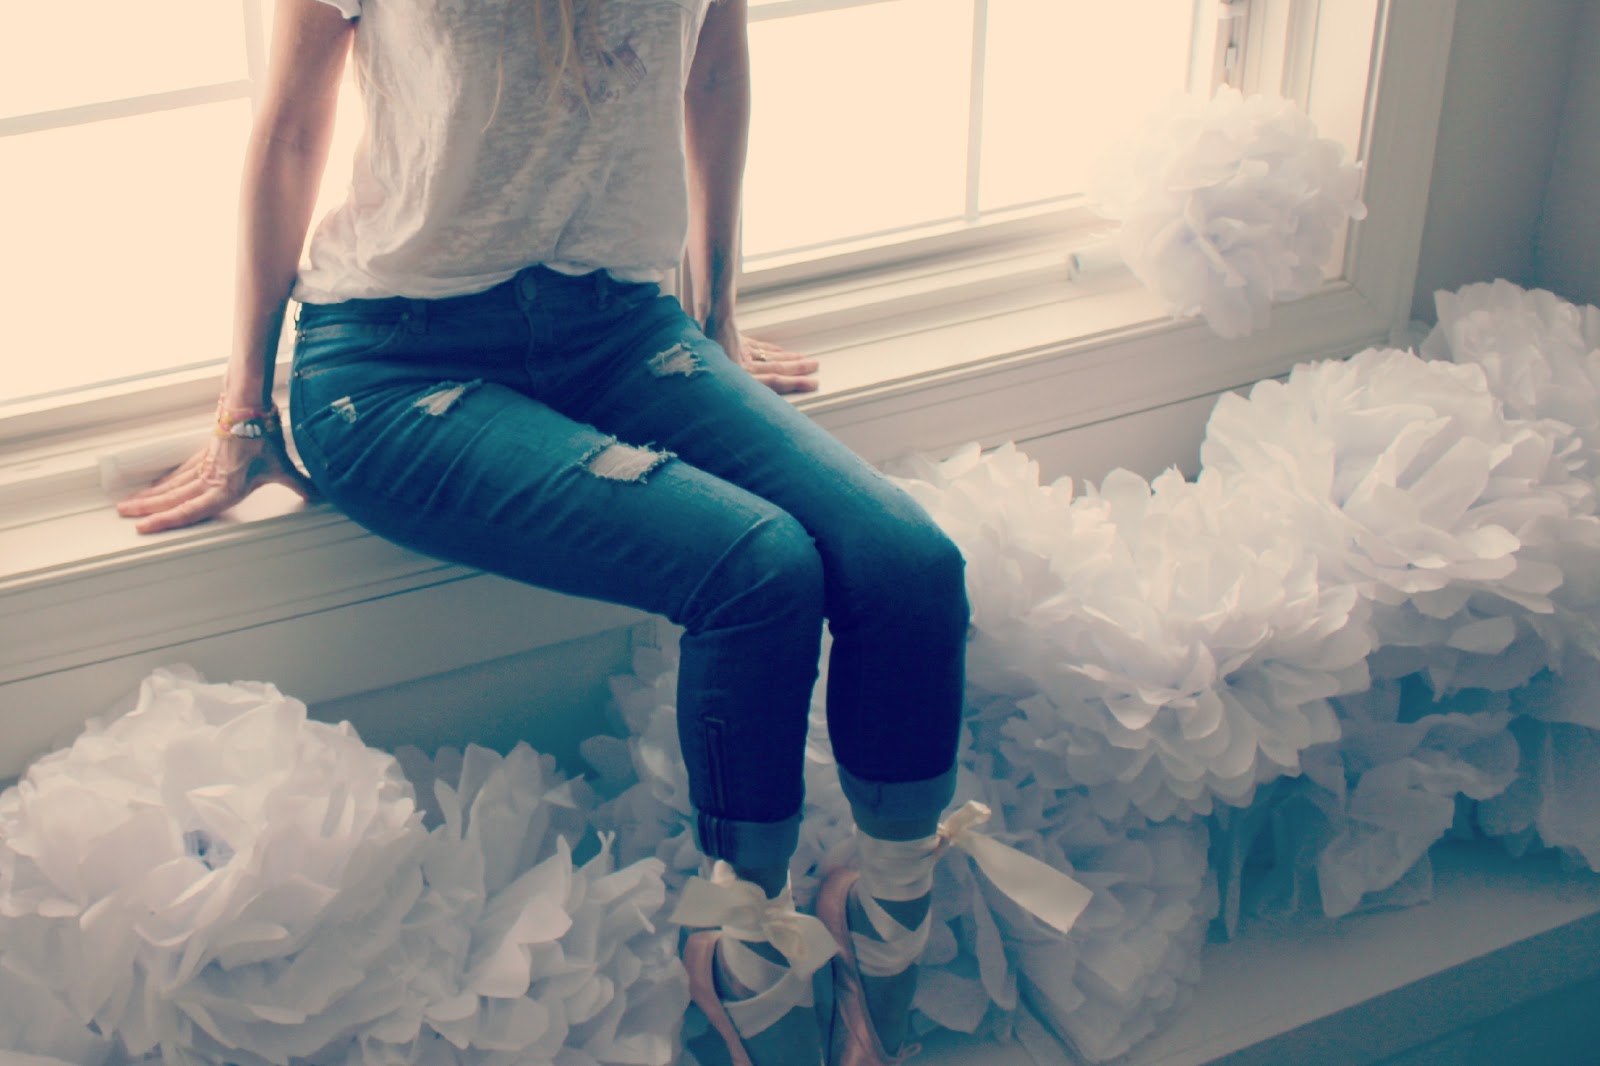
1540,354
37,1025
1356,828
1132,961
1553,803
1167,649
1404,479
1230,204
211,876
515,949
1028,547
644,774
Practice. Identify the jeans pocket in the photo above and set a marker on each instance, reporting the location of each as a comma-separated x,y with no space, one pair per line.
327,338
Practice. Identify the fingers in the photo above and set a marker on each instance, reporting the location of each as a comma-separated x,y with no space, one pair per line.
171,490
179,475
778,368
212,481
786,381
209,502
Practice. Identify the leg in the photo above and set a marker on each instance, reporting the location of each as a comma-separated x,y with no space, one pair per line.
893,582
496,480
895,599
483,474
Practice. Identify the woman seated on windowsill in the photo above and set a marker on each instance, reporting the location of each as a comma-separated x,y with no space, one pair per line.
486,371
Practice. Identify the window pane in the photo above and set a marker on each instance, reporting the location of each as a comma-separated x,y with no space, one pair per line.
126,236
1063,81
110,49
860,122
132,220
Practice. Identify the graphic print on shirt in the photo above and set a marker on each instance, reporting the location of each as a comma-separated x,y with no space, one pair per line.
607,74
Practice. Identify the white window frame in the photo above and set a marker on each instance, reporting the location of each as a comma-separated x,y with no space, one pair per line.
969,349
1062,224
1059,222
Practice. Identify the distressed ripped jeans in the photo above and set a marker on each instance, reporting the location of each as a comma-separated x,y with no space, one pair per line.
582,434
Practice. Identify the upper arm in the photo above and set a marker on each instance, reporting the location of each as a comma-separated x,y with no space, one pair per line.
310,41
722,53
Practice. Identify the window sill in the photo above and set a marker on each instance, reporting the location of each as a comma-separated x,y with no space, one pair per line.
79,589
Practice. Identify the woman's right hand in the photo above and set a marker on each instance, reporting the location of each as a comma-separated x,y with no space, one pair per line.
214,479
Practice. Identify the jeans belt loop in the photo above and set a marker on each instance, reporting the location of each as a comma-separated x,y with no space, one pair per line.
417,316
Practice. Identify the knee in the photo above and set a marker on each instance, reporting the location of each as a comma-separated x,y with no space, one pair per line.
920,577
772,571
938,574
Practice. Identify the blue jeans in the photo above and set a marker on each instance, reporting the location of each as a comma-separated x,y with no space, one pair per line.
583,435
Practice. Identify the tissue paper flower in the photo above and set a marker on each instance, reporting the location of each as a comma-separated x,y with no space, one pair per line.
211,876
516,951
649,811
1403,477
37,1028
1361,819
1230,204
1029,550
1539,353
1132,957
1132,960
1552,802
1168,648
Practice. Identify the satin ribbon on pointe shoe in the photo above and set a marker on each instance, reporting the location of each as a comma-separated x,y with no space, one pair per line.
1037,887
745,914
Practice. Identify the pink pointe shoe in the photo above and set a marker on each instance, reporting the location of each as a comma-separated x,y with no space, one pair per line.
854,1039
699,958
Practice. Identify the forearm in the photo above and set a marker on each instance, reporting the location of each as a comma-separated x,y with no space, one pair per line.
277,195
717,118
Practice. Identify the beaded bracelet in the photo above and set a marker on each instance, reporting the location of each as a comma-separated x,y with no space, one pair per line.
246,423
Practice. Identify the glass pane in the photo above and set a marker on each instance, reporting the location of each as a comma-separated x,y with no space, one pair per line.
127,232
156,245
860,122
1063,81
55,55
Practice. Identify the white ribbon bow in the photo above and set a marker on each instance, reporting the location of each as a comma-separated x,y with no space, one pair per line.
1036,887
744,912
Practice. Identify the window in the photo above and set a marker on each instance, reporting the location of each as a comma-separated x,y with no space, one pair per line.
884,125
1094,368
880,121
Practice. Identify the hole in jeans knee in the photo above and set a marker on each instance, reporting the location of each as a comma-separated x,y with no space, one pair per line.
678,360
617,461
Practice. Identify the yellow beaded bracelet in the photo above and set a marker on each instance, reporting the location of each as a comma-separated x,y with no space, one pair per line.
246,424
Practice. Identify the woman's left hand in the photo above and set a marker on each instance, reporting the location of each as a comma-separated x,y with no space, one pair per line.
773,365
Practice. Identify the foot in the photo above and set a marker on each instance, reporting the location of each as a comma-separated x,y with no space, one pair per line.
793,1040
889,998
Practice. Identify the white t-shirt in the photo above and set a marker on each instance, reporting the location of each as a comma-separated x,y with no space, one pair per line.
471,169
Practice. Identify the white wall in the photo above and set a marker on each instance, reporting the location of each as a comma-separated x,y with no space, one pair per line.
1567,248
1509,73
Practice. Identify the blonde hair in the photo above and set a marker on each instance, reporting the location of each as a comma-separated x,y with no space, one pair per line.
566,32
557,55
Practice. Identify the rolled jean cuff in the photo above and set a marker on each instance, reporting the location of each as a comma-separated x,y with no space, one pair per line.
747,844
898,801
